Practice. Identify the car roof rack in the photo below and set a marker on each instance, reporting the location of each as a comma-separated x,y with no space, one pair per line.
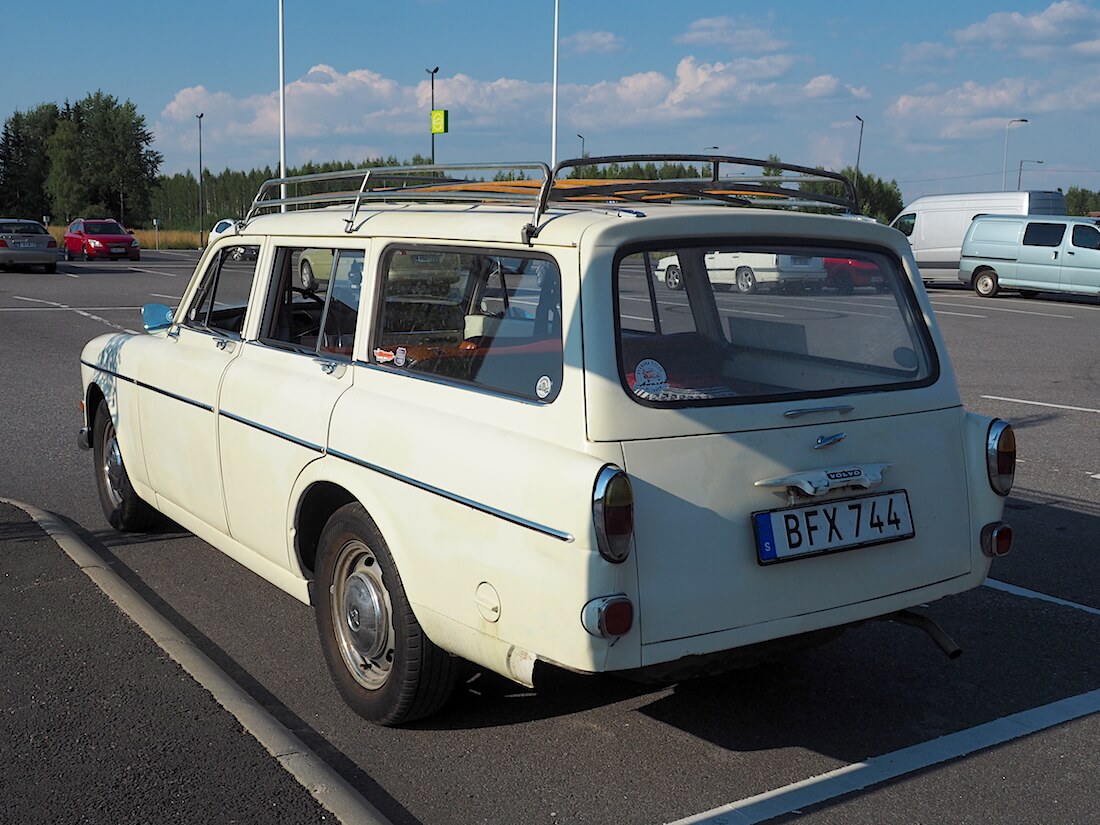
605,182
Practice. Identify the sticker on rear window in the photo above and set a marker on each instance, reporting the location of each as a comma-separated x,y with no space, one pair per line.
544,386
650,377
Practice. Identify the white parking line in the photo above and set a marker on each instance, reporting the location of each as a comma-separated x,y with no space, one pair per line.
1040,404
959,314
879,769
85,314
1032,594
1003,309
154,271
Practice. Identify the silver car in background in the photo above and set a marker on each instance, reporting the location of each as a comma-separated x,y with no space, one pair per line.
26,243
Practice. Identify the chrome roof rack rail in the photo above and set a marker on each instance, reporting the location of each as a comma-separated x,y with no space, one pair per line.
437,182
774,184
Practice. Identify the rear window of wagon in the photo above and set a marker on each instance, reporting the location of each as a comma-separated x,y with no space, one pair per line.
738,323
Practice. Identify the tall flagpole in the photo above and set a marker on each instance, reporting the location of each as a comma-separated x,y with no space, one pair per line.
554,104
282,108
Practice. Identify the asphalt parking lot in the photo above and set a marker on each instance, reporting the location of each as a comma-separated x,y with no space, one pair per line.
877,726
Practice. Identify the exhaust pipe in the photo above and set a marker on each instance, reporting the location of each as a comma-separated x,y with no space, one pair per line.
937,634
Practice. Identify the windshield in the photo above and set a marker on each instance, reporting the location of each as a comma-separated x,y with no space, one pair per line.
726,324
103,228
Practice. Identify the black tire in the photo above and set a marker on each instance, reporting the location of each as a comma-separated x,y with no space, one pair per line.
49,269
124,509
986,284
384,666
842,280
746,280
69,255
87,257
674,279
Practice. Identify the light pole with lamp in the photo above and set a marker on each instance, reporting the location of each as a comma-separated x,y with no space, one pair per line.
1004,167
582,144
201,218
431,73
859,147
1020,173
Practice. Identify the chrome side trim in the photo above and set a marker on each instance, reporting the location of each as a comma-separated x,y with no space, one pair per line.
457,499
843,409
181,398
317,448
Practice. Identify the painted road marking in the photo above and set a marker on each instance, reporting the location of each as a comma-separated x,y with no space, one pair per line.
888,766
1040,404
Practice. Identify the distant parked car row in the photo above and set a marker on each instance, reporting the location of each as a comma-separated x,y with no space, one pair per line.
25,243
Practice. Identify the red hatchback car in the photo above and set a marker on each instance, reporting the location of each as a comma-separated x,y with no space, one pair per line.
98,239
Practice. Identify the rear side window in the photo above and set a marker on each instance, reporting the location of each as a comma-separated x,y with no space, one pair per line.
1044,234
476,318
730,324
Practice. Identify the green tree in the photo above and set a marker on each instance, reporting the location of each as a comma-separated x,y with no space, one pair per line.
24,163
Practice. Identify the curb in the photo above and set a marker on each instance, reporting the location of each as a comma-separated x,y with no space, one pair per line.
310,771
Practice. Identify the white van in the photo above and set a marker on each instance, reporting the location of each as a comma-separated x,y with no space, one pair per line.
1031,255
935,224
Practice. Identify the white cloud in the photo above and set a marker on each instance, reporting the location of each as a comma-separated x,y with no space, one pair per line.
593,43
922,58
821,86
727,31
1044,34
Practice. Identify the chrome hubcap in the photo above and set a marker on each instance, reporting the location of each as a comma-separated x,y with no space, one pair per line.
361,614
112,467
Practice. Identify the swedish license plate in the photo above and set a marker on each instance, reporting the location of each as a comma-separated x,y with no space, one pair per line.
117,250
827,527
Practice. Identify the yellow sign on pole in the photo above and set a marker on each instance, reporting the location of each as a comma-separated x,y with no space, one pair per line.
439,121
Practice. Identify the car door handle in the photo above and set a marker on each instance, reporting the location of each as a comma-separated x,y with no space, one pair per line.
224,344
329,367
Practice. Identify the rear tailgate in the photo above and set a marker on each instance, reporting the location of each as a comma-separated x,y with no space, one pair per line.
696,547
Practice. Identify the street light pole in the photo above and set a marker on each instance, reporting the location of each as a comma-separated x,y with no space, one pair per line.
859,148
282,108
431,73
1004,167
201,218
1020,173
554,97
582,144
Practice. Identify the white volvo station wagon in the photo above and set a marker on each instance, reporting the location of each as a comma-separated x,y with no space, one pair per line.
450,409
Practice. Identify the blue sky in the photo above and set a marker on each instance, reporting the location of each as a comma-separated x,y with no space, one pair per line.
936,83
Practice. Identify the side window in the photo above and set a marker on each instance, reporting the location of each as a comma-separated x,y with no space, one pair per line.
1086,237
906,223
220,303
479,318
313,304
1044,234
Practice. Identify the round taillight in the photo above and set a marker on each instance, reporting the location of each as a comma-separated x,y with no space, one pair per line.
613,514
1001,456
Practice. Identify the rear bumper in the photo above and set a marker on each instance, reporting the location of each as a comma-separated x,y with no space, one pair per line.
28,257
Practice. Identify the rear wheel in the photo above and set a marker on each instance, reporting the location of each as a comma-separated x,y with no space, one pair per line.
674,279
985,283
49,268
384,666
124,509
746,280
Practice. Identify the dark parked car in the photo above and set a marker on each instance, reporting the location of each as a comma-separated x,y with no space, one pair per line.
100,239
26,243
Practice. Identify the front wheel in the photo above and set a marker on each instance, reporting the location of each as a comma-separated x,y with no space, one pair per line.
674,279
384,666
124,509
746,280
985,283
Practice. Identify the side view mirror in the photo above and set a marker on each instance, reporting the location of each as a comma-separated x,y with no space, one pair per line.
156,317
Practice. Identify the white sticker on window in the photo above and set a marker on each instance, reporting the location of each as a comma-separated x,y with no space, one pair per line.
399,357
650,376
544,386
